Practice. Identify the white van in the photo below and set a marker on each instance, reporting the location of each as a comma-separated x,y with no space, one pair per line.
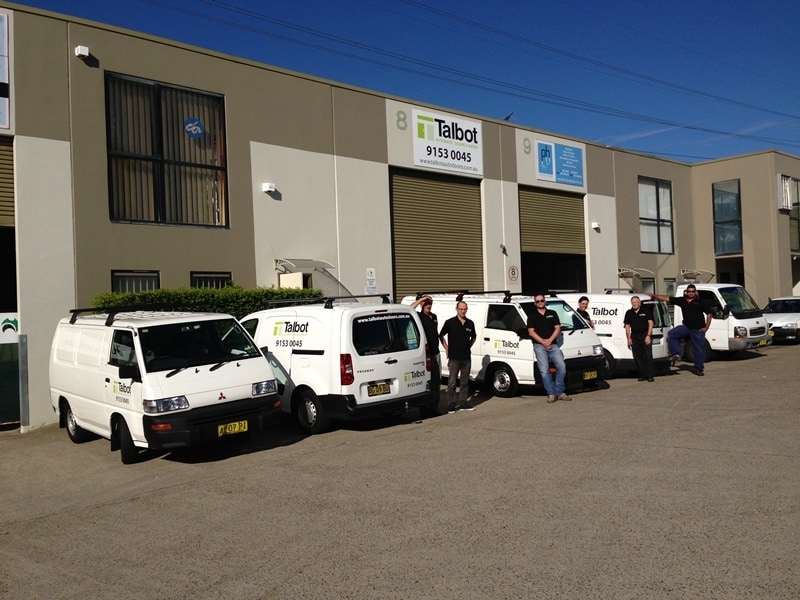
344,359
502,356
607,311
158,380
738,323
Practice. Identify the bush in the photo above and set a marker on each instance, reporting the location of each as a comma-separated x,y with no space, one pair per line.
232,299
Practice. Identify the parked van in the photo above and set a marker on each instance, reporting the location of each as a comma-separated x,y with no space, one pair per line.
502,356
344,359
607,311
158,380
738,323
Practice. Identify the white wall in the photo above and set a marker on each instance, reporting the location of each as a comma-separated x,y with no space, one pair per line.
324,208
602,257
45,257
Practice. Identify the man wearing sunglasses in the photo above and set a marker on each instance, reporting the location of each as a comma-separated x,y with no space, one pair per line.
544,328
696,321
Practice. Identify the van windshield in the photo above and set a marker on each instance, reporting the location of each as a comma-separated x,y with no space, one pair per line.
740,302
384,333
570,320
179,345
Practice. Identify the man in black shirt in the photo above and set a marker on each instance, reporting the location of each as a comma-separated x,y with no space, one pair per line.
457,336
696,321
639,330
430,325
544,328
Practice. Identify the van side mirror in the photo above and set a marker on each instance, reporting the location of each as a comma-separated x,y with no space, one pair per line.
265,351
129,372
523,333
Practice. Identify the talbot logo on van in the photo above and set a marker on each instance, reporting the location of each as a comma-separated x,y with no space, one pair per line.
222,396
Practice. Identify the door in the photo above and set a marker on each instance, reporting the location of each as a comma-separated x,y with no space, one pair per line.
500,341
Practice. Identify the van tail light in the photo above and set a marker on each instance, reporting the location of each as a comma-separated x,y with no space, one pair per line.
428,358
346,369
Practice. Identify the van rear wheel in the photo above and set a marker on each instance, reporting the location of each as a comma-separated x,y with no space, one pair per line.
503,380
611,365
75,432
310,414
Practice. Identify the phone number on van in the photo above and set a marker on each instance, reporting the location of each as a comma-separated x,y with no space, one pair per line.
289,343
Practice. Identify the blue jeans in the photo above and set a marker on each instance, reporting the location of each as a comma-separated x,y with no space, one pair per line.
698,339
555,386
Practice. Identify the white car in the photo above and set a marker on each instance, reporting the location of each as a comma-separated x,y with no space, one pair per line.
783,316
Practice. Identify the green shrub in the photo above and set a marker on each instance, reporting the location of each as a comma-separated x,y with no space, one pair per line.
234,300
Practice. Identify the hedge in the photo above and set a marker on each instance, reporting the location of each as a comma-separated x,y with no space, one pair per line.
234,300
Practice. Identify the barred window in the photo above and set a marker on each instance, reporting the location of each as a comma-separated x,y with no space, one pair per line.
135,281
166,153
206,279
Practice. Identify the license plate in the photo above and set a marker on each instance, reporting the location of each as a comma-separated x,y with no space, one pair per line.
231,428
589,375
378,389
764,341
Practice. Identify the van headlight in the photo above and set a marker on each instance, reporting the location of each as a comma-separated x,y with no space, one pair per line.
165,404
740,332
263,388
597,349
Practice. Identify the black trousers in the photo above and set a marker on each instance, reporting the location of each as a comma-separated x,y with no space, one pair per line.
643,355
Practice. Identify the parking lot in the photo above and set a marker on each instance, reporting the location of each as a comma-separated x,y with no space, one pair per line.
686,487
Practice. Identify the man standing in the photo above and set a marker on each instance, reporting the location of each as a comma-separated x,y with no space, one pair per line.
583,310
696,321
457,336
639,330
430,325
545,331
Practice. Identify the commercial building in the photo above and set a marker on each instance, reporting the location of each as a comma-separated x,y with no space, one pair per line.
129,162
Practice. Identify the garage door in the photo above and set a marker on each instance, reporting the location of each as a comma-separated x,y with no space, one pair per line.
551,222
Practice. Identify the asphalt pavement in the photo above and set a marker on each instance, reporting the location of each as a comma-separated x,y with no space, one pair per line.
686,487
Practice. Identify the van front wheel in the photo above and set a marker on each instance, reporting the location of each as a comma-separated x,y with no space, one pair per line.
310,414
504,382
75,432
611,365
129,453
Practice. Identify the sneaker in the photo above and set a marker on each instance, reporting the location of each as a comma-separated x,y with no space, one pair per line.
551,399
564,398
698,372
641,379
650,379
451,408
674,359
466,406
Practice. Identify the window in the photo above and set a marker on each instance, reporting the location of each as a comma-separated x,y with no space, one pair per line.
203,279
655,215
727,218
505,316
123,353
791,200
382,334
648,285
166,154
134,281
669,286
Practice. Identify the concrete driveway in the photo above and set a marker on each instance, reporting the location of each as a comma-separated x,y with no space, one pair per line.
687,487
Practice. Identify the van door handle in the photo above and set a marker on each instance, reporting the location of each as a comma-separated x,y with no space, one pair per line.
391,361
486,339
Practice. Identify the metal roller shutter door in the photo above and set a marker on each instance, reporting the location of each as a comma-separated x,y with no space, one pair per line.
6,182
550,222
437,234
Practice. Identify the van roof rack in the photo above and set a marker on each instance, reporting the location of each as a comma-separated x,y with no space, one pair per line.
329,300
461,293
113,311
306,300
620,291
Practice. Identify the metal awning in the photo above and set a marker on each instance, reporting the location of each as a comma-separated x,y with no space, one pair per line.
631,272
295,265
697,274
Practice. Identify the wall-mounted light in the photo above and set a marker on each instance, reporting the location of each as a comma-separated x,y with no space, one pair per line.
82,51
268,188
595,225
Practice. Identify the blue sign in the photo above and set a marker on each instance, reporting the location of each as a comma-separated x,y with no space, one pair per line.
559,163
193,127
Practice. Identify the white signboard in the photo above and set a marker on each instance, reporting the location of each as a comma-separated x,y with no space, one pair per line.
447,143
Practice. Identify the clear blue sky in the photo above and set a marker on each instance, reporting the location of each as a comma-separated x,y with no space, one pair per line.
688,80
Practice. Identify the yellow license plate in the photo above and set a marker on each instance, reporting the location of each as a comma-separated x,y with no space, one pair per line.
231,428
378,389
765,341
589,375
